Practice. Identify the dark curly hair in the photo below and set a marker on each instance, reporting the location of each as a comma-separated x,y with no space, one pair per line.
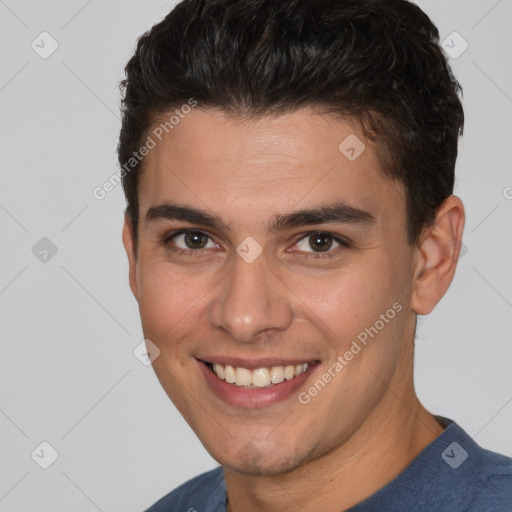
376,61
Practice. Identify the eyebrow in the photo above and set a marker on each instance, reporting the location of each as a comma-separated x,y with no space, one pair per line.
334,213
170,211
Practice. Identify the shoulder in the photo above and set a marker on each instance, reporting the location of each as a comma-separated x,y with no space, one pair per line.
493,489
205,493
471,478
452,474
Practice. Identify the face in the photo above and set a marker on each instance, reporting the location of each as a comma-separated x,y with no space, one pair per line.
263,247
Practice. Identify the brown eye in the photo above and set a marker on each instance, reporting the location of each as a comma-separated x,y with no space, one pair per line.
319,242
195,240
192,240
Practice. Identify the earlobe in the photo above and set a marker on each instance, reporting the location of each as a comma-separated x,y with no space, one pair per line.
129,246
437,255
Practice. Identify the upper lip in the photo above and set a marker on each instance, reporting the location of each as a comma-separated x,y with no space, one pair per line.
254,363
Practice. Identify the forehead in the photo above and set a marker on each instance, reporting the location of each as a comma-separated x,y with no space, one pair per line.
250,169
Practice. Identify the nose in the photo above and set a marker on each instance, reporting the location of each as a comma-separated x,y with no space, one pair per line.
251,301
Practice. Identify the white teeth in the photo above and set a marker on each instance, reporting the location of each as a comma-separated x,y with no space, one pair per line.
229,374
219,370
289,372
259,378
276,374
243,377
298,370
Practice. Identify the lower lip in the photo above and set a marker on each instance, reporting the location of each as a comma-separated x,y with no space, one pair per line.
254,398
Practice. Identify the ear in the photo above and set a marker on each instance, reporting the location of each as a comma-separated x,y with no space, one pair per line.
436,256
129,246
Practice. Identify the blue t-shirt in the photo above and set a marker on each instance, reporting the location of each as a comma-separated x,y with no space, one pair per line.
452,474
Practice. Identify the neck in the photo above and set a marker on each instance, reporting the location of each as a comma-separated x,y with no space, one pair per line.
391,437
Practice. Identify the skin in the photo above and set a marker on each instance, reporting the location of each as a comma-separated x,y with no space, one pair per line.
364,427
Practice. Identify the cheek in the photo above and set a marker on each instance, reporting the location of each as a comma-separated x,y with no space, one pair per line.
169,301
349,299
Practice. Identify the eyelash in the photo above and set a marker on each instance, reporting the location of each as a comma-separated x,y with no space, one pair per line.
344,244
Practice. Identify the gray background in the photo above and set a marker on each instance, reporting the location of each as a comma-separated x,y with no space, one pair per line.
69,324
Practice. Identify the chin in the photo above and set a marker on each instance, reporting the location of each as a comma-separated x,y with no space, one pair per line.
254,460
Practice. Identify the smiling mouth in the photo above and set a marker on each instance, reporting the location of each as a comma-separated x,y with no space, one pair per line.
259,377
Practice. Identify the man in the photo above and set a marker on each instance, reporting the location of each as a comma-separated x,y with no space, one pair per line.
288,168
